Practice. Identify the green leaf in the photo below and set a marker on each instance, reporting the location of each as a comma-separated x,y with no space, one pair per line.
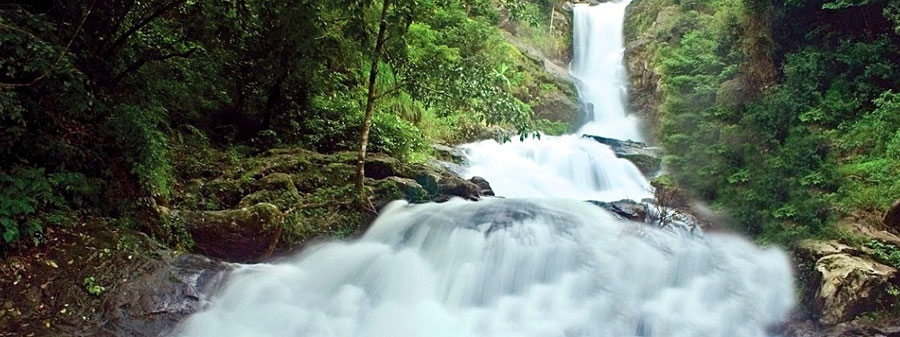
10,234
842,4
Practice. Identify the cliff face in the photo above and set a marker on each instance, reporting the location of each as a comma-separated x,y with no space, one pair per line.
644,20
547,47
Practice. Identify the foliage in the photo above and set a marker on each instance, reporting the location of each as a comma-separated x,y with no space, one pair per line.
815,143
90,284
22,193
885,253
110,106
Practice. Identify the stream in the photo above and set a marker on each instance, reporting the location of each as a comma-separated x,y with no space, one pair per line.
537,262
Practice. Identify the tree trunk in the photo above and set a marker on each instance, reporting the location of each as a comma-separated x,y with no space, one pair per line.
370,105
274,96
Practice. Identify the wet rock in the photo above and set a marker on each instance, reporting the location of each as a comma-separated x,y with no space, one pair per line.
817,249
808,328
426,176
483,184
396,188
160,293
238,235
454,186
864,229
849,286
628,209
647,159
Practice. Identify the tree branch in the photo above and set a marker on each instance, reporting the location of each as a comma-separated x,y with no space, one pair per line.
114,47
58,58
137,65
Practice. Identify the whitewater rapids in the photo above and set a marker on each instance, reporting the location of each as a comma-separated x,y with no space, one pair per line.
508,268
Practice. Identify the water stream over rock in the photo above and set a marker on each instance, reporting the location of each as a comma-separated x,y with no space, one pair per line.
539,263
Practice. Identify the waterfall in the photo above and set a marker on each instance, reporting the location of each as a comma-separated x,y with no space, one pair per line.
570,166
539,263
600,72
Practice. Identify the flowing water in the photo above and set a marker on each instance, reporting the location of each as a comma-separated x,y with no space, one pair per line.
541,263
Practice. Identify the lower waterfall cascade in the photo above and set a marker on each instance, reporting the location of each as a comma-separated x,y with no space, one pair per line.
538,262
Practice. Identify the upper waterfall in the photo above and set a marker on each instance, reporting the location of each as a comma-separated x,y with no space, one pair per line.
600,72
570,166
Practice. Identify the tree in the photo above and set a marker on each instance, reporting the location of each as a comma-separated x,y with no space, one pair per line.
370,105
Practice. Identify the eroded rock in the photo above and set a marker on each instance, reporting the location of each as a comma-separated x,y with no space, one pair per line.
628,209
848,286
647,159
160,294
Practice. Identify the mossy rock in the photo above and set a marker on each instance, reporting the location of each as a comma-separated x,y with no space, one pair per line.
397,188
224,192
238,235
277,189
425,176
380,166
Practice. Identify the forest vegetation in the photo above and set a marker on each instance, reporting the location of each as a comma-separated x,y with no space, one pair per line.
786,114
110,107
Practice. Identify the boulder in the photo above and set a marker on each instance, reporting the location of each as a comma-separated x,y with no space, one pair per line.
628,209
379,166
483,184
849,285
450,154
892,217
556,107
396,188
277,189
647,159
159,293
426,176
223,192
238,235
452,185
817,249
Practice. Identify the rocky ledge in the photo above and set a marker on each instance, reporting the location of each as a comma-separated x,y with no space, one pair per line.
647,159
847,290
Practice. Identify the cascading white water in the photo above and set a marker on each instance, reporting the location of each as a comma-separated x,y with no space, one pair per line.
546,266
570,166
507,268
600,72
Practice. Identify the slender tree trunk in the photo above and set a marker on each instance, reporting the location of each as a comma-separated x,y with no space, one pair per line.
274,96
370,106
